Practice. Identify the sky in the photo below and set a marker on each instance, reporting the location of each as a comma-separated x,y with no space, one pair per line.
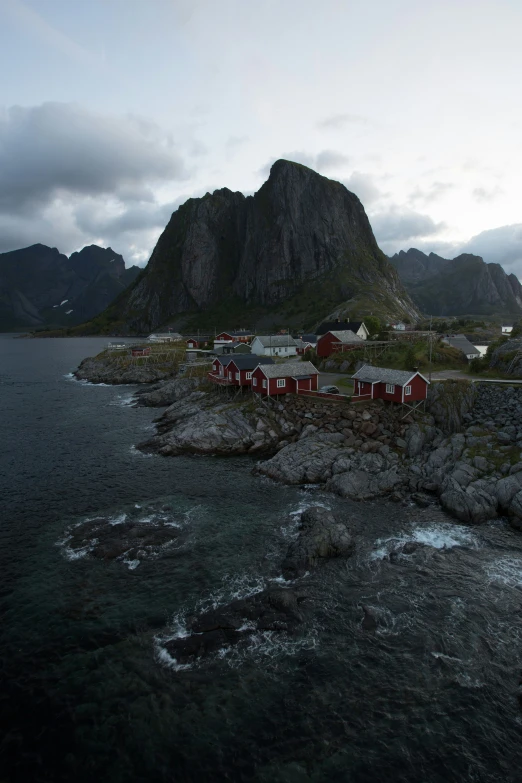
114,112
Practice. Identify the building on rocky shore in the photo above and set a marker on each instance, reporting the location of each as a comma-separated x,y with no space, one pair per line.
287,378
379,383
236,370
274,345
338,342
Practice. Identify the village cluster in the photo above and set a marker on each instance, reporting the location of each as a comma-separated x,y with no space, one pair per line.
274,364
270,365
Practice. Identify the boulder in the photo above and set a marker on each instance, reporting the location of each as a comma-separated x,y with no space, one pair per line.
321,536
476,503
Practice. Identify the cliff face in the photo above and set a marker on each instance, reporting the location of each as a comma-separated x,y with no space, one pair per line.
465,285
41,286
301,246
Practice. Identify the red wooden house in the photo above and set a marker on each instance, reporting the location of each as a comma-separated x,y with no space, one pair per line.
140,351
197,342
240,336
236,370
379,383
335,342
284,378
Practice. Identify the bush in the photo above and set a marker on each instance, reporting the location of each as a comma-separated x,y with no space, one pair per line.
478,365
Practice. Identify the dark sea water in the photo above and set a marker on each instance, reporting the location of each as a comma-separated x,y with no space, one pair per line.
89,692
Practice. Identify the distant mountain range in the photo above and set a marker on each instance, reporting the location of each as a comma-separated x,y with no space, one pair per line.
465,285
297,251
39,286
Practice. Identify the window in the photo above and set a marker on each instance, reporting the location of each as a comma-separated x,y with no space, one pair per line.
249,376
407,390
237,376
281,382
221,369
390,388
254,381
264,383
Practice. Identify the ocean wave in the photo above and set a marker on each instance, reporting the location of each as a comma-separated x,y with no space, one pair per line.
439,535
505,571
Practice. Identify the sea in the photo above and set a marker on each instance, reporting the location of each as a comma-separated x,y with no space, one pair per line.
89,692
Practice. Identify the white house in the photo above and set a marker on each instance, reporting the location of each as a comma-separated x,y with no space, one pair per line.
507,329
461,342
164,337
399,327
274,345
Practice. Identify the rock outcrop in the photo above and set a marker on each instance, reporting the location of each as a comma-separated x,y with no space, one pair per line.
321,536
280,610
300,246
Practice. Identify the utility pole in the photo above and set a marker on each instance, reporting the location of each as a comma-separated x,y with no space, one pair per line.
431,348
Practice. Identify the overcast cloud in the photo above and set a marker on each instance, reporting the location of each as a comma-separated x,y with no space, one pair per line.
110,120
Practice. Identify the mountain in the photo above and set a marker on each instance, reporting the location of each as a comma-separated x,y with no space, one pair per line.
465,285
297,250
39,286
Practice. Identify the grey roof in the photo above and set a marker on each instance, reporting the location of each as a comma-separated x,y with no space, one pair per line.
290,370
309,338
346,336
383,375
328,326
301,343
275,340
462,343
243,361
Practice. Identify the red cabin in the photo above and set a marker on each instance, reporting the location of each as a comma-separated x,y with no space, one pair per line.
197,342
290,377
241,336
379,383
336,342
236,370
140,351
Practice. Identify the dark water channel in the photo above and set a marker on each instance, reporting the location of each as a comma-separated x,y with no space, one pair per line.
89,692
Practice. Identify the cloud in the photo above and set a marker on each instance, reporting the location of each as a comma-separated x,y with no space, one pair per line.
402,225
432,193
484,196
70,177
326,160
330,159
363,186
56,147
337,121
502,245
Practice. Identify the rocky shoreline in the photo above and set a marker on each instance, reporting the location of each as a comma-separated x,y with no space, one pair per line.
465,453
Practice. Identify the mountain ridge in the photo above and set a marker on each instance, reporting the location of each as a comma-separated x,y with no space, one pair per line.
298,249
463,285
39,286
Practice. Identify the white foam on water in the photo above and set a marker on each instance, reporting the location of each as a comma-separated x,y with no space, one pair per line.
233,588
123,400
76,554
505,571
119,519
445,657
440,535
131,564
166,659
268,647
137,453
